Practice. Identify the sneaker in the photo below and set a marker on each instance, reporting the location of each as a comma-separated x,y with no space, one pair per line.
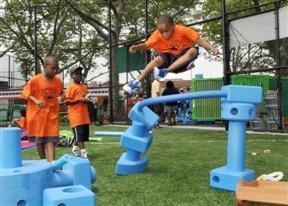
191,65
75,153
159,73
84,154
132,87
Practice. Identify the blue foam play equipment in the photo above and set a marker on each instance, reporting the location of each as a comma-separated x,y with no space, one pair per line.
23,182
184,113
108,133
238,107
69,195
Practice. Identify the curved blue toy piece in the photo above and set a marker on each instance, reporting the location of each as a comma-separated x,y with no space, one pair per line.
238,107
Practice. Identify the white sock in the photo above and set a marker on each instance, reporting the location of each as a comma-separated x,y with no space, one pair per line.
83,151
75,148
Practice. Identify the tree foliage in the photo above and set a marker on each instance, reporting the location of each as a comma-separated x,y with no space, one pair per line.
50,28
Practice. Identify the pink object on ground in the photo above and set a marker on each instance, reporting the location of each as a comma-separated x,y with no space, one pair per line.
25,144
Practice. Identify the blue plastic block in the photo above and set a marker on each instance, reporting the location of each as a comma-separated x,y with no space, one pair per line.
10,152
137,143
243,94
68,196
145,116
222,178
24,185
80,170
126,166
238,111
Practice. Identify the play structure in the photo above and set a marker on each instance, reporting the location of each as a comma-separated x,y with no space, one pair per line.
262,192
39,182
238,106
184,113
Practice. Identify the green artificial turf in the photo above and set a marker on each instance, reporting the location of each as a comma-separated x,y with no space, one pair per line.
180,161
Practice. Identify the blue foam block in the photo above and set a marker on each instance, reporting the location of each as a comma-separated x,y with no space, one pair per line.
69,196
243,94
137,143
125,166
145,116
224,179
81,171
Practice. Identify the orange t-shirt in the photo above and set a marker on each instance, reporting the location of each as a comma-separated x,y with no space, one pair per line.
77,112
43,122
23,123
182,38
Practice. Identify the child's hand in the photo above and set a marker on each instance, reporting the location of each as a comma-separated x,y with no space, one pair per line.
40,104
214,51
132,49
60,99
87,97
84,100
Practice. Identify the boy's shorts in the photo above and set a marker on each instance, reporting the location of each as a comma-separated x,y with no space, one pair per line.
170,58
81,133
43,140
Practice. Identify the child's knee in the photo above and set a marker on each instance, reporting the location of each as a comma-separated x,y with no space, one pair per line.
158,60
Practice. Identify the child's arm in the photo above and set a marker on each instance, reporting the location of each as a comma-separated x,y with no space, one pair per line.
138,47
38,102
15,123
206,45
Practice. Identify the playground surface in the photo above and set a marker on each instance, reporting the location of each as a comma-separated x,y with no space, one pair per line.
180,160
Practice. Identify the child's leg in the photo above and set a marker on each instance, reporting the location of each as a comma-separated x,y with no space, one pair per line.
82,135
50,151
75,147
41,150
156,62
84,153
190,54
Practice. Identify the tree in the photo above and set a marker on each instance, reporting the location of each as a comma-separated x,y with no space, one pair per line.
36,28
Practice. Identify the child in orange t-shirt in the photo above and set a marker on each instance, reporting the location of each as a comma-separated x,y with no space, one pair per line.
77,100
22,121
175,45
42,92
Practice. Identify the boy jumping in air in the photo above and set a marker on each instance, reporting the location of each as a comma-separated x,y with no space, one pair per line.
175,45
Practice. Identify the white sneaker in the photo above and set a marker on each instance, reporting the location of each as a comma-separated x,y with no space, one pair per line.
75,153
84,154
159,73
132,87
191,65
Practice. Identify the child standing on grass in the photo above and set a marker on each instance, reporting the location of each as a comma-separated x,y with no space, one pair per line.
42,92
170,107
77,101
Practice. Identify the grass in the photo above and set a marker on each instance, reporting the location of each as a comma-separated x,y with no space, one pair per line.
180,161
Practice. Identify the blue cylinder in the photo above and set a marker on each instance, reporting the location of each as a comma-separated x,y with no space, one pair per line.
132,155
236,146
10,152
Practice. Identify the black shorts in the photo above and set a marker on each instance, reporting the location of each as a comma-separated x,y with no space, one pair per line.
170,58
81,133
